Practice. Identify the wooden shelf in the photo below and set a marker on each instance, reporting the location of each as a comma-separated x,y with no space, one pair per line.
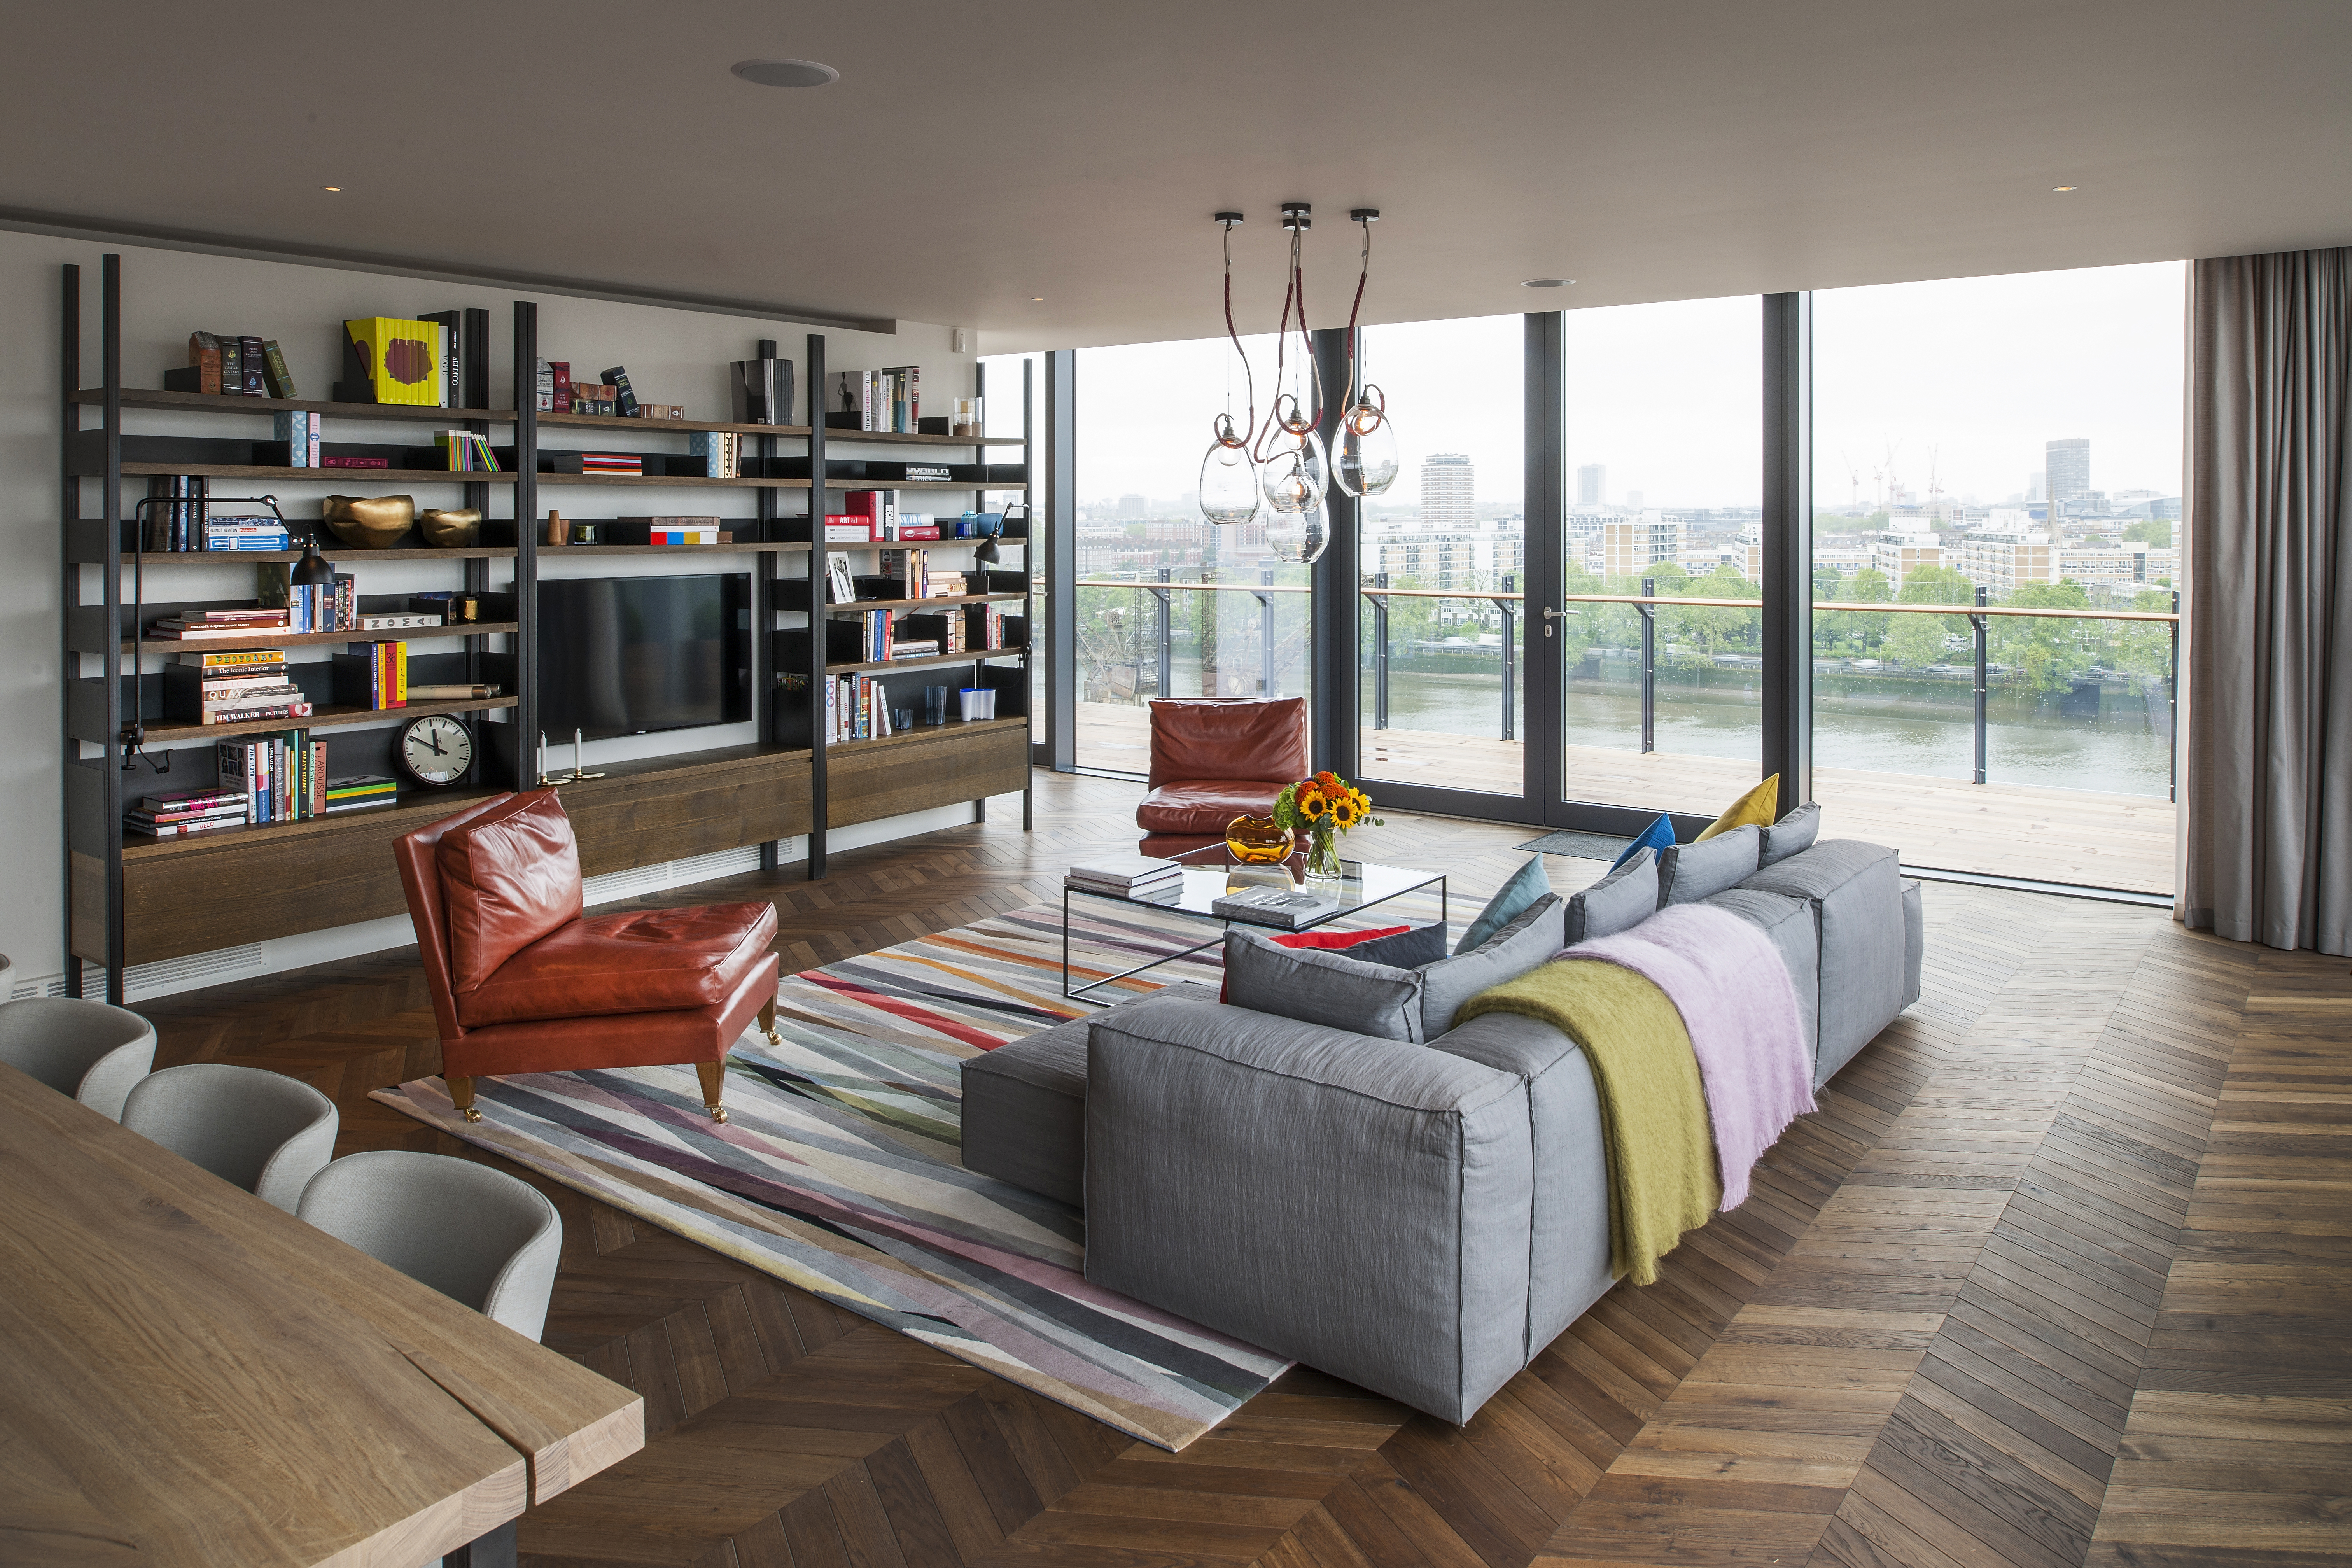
155,558
332,717
856,605
920,661
925,731
899,437
922,485
739,547
614,423
324,475
416,805
673,481
210,403
325,639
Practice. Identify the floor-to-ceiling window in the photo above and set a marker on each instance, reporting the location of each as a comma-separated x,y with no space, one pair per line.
2009,447
1662,504
1442,558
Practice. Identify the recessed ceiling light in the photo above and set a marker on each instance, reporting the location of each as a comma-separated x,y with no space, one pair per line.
1545,282
2066,187
1036,299
785,73
330,187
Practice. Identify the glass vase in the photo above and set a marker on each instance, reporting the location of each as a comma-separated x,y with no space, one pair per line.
1323,857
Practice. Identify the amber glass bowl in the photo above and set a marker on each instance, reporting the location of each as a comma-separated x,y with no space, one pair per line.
1257,841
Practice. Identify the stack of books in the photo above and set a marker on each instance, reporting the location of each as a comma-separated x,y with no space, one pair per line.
856,708
234,365
666,530
372,675
195,625
301,434
463,452
554,386
315,606
763,391
721,452
937,584
360,793
887,399
912,568
878,508
282,778
238,688
246,534
187,812
1126,876
847,527
1286,908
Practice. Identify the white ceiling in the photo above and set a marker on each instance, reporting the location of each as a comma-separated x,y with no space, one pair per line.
975,154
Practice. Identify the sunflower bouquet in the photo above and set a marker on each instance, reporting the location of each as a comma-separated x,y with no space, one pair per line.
1322,807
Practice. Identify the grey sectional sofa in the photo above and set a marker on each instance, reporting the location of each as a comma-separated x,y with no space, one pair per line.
1416,1207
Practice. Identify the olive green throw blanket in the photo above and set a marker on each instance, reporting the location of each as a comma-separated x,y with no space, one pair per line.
1653,1121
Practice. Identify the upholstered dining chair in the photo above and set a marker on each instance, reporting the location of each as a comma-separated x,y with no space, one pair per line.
522,981
1213,760
264,1132
477,1235
87,1049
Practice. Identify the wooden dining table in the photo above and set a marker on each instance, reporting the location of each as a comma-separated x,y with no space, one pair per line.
190,1375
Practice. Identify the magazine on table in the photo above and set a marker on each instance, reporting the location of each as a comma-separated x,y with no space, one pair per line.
1288,909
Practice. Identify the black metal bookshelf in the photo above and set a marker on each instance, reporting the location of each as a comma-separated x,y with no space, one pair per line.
117,745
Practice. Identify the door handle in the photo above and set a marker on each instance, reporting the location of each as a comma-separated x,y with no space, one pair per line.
1550,616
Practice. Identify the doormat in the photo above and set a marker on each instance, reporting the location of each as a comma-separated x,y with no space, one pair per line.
1579,845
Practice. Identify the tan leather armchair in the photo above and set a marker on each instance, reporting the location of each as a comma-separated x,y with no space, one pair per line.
1213,760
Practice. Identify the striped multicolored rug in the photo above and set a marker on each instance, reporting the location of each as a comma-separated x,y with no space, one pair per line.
838,1169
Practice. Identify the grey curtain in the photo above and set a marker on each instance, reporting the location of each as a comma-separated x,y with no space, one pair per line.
2269,536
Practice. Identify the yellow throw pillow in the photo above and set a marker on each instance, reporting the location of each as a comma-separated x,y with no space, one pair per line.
1760,806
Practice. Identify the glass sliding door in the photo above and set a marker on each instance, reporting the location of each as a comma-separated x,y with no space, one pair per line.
1658,633
1442,561
1997,475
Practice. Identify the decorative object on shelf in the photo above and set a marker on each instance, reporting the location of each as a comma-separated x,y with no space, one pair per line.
1229,494
547,780
434,751
558,531
1259,840
935,704
967,418
371,522
390,359
1365,463
978,704
455,529
579,771
1323,807
902,720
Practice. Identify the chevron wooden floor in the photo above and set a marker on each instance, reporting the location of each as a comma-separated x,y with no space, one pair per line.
2058,1274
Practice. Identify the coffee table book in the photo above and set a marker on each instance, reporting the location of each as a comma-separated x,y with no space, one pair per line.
1273,907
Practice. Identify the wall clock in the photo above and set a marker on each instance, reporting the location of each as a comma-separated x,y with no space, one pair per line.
436,751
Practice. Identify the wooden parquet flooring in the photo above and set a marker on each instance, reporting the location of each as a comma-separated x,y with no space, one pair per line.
2059,1274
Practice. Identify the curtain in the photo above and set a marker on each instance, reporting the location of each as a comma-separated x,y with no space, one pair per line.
2269,564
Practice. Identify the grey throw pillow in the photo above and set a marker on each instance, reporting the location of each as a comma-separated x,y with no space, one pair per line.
1424,943
1531,938
1319,987
1792,835
1688,873
1619,902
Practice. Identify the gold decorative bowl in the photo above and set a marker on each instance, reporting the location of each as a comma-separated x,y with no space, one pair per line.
1257,841
450,530
371,522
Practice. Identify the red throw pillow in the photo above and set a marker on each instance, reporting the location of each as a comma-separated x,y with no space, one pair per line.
1329,941
508,878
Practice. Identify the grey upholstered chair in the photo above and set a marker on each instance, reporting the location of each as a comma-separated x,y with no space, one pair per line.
475,1235
264,1132
87,1049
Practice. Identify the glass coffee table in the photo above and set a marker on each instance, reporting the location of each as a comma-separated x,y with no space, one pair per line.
1210,873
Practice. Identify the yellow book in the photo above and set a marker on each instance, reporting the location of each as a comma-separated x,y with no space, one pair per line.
401,359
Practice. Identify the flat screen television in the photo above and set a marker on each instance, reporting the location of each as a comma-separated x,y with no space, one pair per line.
625,656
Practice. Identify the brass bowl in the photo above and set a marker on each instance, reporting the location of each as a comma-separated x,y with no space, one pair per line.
1257,841
371,522
450,530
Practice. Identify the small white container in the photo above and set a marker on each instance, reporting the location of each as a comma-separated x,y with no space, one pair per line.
979,703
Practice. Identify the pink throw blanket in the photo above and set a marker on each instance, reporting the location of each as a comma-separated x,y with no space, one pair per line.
1728,981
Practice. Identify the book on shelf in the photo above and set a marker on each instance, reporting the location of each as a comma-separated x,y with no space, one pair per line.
401,621
282,777
878,508
1284,908
847,527
720,450
625,397
339,461
914,648
195,628
910,569
625,463
928,473
360,791
202,372
937,633
391,359
244,659
256,376
301,434
278,379
187,812
464,356
761,391
856,708
372,675
464,452
663,530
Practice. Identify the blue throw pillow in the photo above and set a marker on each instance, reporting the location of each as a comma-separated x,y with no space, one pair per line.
1527,884
1659,835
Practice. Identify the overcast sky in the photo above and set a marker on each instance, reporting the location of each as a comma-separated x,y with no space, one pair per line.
1974,375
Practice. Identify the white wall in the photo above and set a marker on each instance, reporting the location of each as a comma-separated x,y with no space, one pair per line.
673,356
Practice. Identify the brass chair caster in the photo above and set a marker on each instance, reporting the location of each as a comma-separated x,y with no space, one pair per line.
472,1114
718,1112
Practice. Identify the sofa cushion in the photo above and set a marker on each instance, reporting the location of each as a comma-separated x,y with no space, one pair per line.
1205,806
1619,902
1856,890
1795,935
1533,937
1757,808
1658,837
1332,989
1792,835
642,961
508,878
1526,885
1210,738
1409,949
1689,873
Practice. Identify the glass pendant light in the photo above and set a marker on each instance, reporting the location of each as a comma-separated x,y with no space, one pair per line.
1229,474
1366,452
1298,538
1293,470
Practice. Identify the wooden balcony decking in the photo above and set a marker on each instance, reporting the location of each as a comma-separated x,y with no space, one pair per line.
2122,841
